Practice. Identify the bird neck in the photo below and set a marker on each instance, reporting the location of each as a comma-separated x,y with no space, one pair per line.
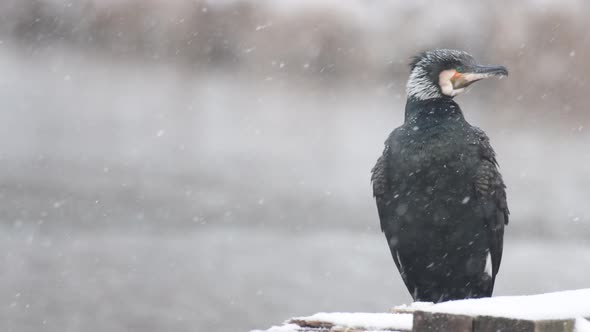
432,111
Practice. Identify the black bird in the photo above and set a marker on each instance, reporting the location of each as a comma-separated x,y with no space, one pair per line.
440,197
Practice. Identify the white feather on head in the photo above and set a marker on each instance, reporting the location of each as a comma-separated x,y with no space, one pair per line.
436,65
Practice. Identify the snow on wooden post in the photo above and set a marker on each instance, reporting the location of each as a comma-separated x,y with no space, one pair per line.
354,322
553,312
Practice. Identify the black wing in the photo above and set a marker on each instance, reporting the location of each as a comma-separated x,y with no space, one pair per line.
382,188
491,193
383,191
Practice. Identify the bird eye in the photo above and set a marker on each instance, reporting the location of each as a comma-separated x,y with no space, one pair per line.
459,69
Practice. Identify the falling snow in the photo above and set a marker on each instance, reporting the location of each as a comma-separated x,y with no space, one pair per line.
155,150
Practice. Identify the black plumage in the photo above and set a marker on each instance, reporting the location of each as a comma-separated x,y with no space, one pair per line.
440,197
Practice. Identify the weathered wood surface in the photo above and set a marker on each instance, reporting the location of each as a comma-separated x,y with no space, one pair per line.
499,324
435,322
440,322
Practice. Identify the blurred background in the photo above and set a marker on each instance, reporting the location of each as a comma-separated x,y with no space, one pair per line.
196,165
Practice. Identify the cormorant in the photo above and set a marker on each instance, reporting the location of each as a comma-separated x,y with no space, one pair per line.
440,197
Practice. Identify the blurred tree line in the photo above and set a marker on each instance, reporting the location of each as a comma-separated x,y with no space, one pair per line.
544,44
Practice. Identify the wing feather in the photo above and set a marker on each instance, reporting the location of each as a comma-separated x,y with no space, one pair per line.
491,193
383,191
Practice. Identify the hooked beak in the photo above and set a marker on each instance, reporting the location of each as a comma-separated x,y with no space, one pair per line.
475,73
490,70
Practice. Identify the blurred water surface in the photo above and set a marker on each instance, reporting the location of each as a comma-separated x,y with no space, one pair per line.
162,176
228,279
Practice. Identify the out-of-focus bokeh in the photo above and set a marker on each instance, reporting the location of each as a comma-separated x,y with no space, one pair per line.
204,165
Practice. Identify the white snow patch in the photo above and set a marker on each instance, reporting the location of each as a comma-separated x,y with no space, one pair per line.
582,325
376,321
559,305
404,308
282,328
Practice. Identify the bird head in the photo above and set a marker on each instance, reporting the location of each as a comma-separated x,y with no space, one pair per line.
446,73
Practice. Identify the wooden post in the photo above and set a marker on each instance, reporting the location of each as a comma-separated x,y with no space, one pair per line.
440,322
501,324
437,322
